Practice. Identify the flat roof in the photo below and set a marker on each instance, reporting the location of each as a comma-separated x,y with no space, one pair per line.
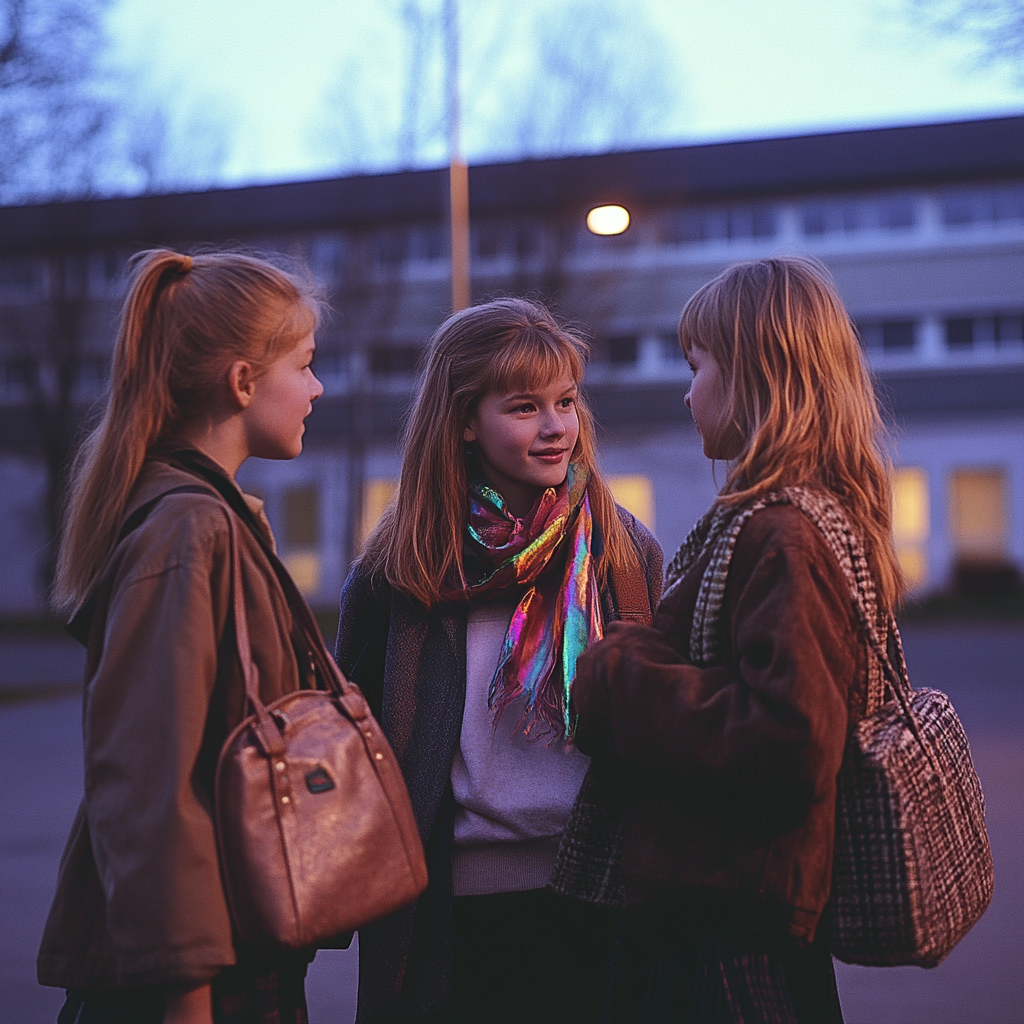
829,161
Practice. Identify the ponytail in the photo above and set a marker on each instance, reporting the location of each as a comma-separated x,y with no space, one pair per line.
184,322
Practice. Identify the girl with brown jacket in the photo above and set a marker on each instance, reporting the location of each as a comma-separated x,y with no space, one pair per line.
732,731
212,365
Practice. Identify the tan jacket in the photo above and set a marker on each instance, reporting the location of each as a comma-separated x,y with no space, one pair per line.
139,897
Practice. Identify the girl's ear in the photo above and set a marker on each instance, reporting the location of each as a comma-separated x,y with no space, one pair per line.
241,383
468,434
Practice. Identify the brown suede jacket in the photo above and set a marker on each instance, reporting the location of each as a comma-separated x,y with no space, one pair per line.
139,898
734,766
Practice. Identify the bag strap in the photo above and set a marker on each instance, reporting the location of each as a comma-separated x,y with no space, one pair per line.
826,514
267,733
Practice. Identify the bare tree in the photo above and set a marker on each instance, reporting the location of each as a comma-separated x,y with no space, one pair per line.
996,28
51,110
597,76
71,125
567,76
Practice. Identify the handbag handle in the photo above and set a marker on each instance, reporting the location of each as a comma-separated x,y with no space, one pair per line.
268,734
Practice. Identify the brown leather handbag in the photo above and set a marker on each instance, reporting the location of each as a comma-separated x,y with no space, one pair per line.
314,826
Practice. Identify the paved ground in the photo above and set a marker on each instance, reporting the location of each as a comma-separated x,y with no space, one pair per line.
982,982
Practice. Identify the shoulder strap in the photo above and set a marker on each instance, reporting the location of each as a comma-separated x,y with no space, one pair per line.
826,514
80,623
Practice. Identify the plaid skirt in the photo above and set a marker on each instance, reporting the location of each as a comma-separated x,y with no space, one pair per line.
270,992
665,973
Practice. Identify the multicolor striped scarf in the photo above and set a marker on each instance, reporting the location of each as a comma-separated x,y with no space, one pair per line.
558,617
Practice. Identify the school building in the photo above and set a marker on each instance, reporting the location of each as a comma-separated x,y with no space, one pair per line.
922,227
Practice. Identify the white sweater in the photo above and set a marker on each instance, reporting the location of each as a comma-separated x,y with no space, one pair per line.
513,794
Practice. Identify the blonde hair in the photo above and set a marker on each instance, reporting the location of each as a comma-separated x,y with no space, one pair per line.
184,322
799,394
500,346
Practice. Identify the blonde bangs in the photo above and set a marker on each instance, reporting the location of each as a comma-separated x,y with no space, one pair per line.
531,359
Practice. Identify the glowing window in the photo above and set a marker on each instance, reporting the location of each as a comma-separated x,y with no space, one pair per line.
304,567
376,495
636,495
978,518
910,522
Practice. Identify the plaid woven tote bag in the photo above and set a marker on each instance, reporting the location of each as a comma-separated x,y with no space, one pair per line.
912,869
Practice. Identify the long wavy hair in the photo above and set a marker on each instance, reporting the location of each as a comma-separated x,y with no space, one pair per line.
500,346
800,395
184,321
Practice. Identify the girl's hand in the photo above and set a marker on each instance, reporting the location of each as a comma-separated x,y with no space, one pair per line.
191,1006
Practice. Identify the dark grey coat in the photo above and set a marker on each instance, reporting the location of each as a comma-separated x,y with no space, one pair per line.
410,662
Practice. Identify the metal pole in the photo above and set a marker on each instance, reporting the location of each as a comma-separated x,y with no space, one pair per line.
458,173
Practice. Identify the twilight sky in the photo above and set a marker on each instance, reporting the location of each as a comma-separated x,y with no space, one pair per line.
733,69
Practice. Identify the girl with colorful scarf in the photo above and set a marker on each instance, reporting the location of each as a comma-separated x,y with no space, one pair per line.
501,559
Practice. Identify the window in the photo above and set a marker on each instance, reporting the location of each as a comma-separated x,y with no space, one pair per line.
301,535
393,360
671,350
19,373
21,275
495,238
700,226
910,522
391,246
330,362
377,493
1002,331
992,204
978,514
635,494
622,351
854,214
327,257
427,242
93,371
887,335
302,516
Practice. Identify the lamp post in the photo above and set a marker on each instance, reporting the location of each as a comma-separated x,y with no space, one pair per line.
458,173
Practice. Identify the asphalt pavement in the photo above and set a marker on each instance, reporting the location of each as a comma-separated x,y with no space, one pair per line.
982,982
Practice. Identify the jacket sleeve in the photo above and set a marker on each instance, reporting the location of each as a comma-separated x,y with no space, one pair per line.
145,713
649,555
361,645
770,723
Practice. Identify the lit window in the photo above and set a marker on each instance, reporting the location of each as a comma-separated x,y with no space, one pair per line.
635,494
376,495
978,518
304,568
911,522
302,516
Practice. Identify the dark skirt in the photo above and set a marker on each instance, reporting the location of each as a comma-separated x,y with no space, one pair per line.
528,958
670,970
251,993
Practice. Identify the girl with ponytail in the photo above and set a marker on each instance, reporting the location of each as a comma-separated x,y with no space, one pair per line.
501,558
212,365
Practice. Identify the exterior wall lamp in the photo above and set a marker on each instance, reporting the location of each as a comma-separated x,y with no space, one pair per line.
608,220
